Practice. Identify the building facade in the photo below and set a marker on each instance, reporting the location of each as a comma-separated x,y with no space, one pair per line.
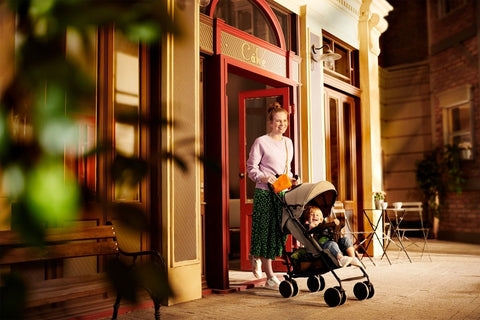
234,58
430,100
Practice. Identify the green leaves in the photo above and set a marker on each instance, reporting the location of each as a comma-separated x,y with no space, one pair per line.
13,181
50,86
147,32
39,8
52,195
439,172
39,108
453,162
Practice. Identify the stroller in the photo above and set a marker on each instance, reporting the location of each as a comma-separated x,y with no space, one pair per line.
323,195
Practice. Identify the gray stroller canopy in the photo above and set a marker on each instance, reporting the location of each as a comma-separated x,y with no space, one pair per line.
321,194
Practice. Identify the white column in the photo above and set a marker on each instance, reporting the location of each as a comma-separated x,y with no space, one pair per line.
371,25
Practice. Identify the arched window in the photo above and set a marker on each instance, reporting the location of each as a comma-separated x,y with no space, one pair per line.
245,15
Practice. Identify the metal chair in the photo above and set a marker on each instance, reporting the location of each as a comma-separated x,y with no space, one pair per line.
409,219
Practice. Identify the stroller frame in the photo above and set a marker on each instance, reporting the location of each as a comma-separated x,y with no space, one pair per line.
325,200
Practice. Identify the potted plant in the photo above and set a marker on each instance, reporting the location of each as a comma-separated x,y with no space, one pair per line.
438,172
379,198
465,150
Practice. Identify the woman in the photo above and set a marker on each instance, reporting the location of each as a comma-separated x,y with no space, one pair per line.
270,155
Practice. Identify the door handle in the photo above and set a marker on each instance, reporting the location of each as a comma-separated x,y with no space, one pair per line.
241,175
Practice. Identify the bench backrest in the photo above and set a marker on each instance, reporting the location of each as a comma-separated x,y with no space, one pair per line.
59,243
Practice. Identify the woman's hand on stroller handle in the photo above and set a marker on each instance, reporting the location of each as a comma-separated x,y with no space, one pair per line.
296,180
269,179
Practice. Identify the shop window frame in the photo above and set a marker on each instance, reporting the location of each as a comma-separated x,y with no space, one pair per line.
453,101
349,60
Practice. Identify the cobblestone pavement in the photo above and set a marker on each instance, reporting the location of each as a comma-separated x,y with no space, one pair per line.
447,287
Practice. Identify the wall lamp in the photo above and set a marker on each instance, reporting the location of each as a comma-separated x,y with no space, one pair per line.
328,55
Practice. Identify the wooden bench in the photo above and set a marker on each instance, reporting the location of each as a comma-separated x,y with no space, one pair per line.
62,243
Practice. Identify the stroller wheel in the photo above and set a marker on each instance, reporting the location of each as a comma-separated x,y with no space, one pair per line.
295,287
286,289
361,291
371,289
344,297
342,292
316,283
333,297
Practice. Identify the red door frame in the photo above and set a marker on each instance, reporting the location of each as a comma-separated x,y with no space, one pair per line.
216,135
246,208
216,149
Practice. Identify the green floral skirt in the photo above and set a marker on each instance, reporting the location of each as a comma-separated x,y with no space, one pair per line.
267,239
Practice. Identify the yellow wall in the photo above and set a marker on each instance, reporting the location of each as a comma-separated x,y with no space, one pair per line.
372,25
406,127
180,196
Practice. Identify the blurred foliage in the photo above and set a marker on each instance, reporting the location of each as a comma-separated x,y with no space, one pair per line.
44,86
439,172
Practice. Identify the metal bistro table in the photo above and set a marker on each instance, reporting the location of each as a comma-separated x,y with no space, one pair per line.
375,224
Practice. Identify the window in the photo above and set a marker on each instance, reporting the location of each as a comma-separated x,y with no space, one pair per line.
345,68
126,103
288,22
245,15
456,107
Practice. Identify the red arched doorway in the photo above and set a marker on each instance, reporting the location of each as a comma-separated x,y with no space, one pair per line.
236,62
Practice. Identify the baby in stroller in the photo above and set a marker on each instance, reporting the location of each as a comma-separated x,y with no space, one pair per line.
326,233
304,209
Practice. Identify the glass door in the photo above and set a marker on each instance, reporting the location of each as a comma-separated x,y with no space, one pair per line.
253,107
341,159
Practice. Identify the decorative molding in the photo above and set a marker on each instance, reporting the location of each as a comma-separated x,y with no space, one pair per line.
345,4
341,85
206,38
374,12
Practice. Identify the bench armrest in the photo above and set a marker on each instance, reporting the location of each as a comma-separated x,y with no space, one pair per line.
154,254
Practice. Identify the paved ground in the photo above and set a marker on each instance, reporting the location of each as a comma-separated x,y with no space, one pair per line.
447,287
